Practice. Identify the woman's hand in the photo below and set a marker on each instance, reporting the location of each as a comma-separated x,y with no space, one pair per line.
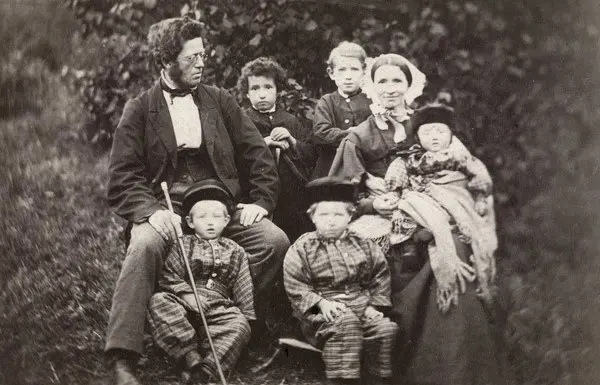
375,185
330,309
372,314
384,205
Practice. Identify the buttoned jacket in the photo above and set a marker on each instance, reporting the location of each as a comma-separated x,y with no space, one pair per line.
144,153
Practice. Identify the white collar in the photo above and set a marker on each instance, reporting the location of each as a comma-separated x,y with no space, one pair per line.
268,111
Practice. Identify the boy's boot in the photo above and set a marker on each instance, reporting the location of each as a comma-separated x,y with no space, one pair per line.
376,380
343,381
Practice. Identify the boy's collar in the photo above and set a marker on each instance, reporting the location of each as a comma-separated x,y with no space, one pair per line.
216,240
345,95
332,240
270,111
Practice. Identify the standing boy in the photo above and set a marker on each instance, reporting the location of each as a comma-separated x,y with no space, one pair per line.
260,81
338,284
223,282
340,111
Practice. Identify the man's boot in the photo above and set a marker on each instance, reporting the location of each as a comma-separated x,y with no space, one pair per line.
124,372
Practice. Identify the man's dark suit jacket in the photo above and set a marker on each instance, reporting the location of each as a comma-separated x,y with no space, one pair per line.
144,153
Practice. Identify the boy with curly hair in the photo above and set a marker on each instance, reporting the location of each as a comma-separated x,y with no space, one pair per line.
260,81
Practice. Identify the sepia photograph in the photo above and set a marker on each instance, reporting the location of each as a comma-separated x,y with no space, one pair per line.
299,192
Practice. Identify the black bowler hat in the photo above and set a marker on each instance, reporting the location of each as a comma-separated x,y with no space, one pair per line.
208,189
434,113
330,189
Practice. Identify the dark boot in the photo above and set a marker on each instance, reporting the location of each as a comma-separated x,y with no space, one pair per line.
376,380
343,381
191,361
124,372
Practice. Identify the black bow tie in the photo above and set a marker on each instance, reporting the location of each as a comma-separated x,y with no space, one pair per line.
176,93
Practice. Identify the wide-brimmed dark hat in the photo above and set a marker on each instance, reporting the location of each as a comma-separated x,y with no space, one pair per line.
208,189
330,189
434,113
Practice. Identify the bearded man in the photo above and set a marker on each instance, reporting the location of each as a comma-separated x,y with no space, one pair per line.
181,131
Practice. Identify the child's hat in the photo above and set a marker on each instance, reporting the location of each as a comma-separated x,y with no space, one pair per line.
434,113
330,189
208,189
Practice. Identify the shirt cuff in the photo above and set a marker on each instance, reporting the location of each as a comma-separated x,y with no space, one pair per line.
308,301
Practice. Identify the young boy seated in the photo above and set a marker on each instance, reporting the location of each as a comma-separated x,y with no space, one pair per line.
442,186
223,282
260,81
343,109
338,284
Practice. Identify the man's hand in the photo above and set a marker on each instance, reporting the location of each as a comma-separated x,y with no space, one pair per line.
167,224
372,314
385,205
191,300
375,185
330,309
251,213
282,134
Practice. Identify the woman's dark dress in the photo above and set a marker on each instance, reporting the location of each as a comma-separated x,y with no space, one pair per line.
456,348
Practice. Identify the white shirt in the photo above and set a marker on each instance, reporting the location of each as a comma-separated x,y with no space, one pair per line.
185,118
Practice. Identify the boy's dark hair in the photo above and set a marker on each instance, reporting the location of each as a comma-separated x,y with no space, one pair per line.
166,38
263,66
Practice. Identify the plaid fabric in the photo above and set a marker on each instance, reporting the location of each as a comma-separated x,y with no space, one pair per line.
223,262
223,280
351,270
177,329
348,338
431,167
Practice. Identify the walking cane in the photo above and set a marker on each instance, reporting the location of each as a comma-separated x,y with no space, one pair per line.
193,283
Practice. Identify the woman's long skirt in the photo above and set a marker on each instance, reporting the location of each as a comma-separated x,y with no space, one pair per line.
460,347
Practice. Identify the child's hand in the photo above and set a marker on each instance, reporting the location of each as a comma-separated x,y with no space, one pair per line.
481,207
282,134
282,144
330,309
372,314
191,300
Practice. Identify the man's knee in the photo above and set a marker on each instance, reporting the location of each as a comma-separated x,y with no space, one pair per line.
276,238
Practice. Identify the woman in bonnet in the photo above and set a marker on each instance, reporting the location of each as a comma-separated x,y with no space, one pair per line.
457,346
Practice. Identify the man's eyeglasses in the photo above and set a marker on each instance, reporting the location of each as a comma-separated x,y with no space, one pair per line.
194,58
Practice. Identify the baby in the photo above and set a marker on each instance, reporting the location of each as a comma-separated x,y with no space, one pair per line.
338,283
223,282
441,187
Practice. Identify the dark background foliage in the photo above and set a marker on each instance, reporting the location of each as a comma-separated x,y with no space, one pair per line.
522,76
